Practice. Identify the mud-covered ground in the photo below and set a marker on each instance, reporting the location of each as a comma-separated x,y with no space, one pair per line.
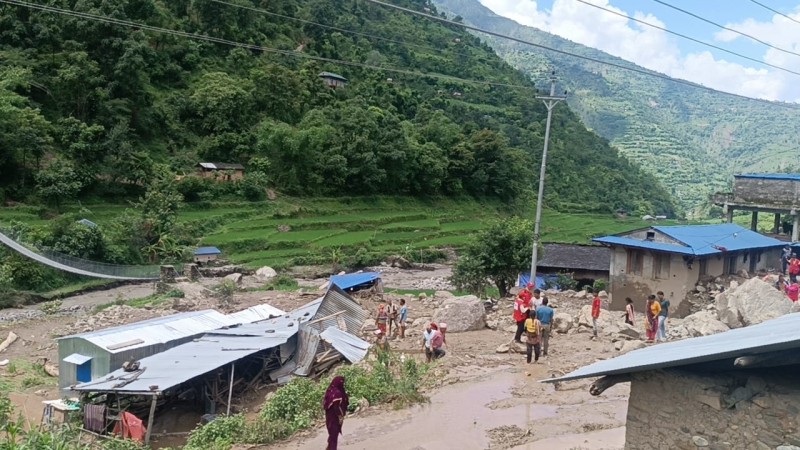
481,399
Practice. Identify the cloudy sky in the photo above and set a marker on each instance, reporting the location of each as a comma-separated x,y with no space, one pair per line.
675,56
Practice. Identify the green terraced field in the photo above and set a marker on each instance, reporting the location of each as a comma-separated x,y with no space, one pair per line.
318,231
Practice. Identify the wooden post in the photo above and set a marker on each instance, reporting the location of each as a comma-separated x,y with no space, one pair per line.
776,227
230,393
754,221
150,419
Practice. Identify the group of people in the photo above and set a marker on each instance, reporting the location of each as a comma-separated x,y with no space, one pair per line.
389,314
433,337
656,315
534,318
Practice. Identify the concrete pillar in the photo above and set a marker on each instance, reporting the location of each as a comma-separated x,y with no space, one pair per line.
754,221
776,227
729,215
795,227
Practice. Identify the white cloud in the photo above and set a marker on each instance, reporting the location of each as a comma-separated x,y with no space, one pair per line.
658,50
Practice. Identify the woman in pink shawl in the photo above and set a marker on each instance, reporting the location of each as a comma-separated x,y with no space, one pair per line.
335,405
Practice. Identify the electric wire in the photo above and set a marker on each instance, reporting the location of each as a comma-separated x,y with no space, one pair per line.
611,11
207,38
630,68
341,30
689,13
775,11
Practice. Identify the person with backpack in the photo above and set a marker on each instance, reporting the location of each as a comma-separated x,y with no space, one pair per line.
794,268
533,334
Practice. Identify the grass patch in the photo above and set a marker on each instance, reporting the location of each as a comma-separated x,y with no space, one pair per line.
413,224
346,239
24,374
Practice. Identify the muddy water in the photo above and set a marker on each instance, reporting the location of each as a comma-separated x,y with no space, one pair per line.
459,417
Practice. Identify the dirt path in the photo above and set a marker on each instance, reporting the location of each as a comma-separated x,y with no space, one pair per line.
488,413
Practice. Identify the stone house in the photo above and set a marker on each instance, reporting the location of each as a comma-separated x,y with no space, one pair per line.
673,259
732,390
770,193
221,171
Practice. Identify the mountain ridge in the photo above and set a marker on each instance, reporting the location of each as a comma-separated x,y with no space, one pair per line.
689,137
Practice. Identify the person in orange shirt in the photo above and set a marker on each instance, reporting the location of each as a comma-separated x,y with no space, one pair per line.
595,312
651,321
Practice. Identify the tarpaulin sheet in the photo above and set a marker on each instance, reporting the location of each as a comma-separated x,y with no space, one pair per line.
352,280
525,278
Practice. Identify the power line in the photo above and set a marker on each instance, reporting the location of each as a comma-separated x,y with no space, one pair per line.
725,28
330,27
586,58
685,37
775,11
207,38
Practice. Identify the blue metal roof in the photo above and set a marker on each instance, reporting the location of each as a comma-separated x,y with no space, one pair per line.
207,251
771,176
699,240
352,280
770,336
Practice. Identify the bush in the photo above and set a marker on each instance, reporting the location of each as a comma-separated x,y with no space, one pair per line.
219,434
51,307
599,285
282,283
566,282
224,293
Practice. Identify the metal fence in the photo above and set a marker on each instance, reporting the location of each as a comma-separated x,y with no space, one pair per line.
80,266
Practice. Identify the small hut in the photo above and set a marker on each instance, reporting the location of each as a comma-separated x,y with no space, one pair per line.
221,171
333,80
206,254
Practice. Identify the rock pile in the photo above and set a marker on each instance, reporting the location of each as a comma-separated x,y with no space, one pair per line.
753,302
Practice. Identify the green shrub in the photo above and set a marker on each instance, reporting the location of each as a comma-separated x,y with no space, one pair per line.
298,403
51,307
220,434
282,283
566,282
599,285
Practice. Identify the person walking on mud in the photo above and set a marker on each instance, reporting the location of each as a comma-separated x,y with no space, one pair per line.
335,404
533,337
545,315
522,305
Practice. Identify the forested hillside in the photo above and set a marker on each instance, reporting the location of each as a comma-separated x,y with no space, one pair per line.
89,108
692,140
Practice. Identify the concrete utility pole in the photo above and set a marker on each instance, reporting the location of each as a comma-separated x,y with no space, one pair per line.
550,101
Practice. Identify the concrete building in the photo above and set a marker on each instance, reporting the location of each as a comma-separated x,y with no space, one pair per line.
206,254
777,194
221,171
673,259
732,390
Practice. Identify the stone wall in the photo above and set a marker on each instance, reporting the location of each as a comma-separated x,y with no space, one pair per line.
679,410
779,193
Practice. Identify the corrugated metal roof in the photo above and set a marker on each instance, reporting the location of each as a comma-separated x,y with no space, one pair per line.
771,176
207,251
352,280
176,326
353,348
332,75
256,313
699,240
307,350
221,166
77,359
770,336
184,362
337,301
575,256
287,324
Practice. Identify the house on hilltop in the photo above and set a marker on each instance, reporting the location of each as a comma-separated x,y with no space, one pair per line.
674,258
333,80
221,171
732,390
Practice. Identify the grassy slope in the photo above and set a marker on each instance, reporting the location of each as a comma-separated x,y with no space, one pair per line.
324,230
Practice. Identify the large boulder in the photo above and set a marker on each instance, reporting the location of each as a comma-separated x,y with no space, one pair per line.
585,317
266,273
629,331
461,314
630,346
703,323
562,322
753,302
235,277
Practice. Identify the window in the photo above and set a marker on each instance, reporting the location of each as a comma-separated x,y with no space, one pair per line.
651,235
661,265
635,262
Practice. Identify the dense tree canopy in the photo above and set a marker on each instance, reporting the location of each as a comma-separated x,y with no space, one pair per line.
97,107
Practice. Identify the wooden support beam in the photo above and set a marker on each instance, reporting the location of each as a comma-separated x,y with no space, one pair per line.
150,420
325,318
599,386
230,392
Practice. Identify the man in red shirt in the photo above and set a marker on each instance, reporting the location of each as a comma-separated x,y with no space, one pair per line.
595,312
521,307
